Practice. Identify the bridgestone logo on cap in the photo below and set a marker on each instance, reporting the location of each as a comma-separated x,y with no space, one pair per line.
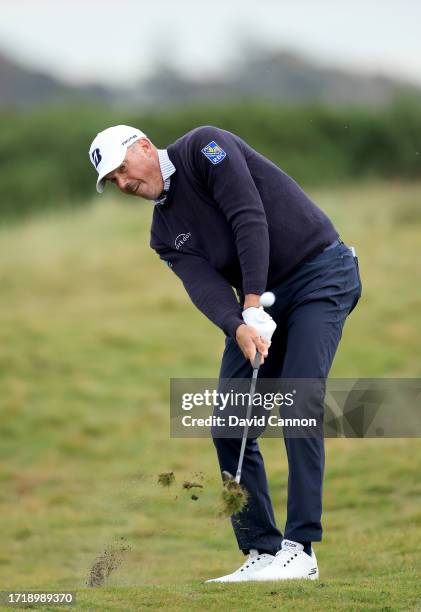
129,139
96,157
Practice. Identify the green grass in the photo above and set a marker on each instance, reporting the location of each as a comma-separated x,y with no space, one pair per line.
92,326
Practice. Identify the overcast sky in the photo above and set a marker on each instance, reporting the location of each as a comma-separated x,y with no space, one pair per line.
118,42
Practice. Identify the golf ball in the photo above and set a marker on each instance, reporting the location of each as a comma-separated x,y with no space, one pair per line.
267,299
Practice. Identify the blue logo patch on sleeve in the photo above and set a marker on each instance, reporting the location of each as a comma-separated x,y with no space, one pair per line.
214,152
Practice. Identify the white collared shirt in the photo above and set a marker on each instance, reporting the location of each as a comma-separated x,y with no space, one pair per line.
167,170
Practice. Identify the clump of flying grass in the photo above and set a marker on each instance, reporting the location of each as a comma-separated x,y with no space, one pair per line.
166,479
234,498
187,484
194,487
109,560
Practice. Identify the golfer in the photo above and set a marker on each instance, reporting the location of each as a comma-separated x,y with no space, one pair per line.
226,218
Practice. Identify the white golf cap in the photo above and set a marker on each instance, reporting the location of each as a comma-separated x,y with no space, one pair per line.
108,150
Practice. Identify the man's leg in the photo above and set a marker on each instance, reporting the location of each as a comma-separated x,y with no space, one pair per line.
310,348
314,329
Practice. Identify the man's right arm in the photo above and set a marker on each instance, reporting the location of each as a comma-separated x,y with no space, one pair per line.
209,291
215,298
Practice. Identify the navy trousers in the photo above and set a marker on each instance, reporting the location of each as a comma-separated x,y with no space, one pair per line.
310,311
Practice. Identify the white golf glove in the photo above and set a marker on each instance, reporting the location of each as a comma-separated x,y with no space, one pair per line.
260,320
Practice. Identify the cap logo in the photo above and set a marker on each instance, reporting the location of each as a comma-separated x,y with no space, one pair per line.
96,157
129,139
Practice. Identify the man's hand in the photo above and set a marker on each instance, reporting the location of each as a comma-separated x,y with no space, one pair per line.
256,334
249,341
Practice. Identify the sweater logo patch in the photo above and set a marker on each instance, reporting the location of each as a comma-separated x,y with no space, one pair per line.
214,153
181,239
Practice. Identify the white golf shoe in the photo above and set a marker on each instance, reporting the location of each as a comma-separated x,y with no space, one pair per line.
254,563
291,562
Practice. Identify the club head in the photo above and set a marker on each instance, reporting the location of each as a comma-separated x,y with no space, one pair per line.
226,476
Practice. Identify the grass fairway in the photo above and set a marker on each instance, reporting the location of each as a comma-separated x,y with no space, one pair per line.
92,326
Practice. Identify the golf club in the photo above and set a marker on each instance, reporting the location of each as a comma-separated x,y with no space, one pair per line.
225,474
266,299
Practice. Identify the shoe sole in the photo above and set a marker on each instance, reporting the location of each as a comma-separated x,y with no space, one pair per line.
313,576
309,577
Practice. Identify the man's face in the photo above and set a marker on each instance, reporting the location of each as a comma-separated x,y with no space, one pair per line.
139,174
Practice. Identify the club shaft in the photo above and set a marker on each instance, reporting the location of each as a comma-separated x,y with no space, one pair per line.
256,367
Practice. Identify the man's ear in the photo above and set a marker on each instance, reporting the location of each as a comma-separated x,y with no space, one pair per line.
145,145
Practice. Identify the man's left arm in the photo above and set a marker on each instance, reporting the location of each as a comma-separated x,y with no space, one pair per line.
233,189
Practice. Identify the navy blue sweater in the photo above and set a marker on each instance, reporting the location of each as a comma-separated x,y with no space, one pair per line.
232,218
